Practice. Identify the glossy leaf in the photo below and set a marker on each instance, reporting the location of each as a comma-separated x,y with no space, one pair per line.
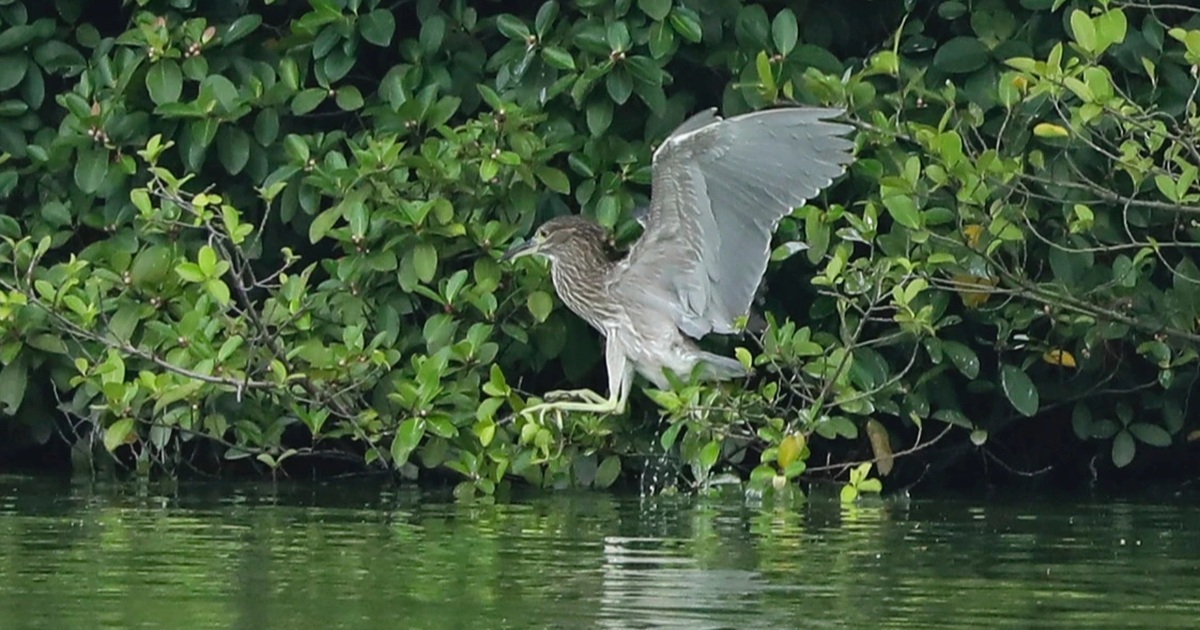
1019,390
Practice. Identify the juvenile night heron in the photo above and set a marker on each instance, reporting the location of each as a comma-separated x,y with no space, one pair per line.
718,192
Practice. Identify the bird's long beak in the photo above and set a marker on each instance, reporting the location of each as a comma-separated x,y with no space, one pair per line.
523,248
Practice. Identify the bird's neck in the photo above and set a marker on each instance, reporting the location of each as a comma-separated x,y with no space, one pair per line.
581,281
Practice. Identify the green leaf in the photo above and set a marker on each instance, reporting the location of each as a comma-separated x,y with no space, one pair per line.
904,210
608,471
207,260
644,69
1083,30
1050,130
554,179
308,100
425,260
618,36
686,22
540,304
545,17
784,32
1151,434
662,39
433,33
13,380
962,357
124,322
348,98
408,436
620,85
709,454
16,36
558,58
790,449
217,288
241,27
599,116
752,27
48,343
91,167
233,149
512,27
1019,389
378,27
323,222
164,81
118,433
266,127
13,108
296,148
1111,27
656,10
667,440
961,55
190,272
56,56
1123,449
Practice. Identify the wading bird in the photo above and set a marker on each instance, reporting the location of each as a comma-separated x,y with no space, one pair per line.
718,191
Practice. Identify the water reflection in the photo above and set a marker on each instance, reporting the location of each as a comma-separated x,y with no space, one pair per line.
344,556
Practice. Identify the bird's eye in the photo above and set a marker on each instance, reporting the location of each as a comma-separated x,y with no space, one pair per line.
540,234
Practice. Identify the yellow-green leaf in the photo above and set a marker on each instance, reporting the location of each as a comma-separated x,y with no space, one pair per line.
1050,130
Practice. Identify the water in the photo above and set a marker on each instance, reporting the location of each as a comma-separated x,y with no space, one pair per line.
343,556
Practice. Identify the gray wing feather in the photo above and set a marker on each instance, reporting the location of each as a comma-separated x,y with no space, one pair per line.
720,188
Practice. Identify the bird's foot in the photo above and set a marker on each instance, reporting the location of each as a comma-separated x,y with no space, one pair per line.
585,395
586,401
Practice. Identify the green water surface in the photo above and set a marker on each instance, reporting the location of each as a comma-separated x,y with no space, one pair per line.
319,557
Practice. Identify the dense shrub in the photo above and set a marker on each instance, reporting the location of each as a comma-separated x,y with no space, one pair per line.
268,230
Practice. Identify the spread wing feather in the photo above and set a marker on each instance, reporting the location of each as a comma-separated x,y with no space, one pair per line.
719,189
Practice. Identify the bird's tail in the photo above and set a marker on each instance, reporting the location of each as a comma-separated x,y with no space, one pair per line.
721,368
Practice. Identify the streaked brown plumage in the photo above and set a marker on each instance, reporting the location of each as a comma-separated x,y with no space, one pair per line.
720,188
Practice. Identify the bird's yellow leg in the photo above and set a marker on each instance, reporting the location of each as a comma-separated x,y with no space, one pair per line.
598,405
620,379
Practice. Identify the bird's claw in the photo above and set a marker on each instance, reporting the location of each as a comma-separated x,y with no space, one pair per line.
567,394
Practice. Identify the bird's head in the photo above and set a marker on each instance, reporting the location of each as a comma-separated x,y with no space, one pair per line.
563,237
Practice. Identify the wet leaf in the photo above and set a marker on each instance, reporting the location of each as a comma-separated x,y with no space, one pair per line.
1019,389
963,358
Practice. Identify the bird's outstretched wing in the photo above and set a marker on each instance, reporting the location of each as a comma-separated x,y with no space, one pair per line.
719,189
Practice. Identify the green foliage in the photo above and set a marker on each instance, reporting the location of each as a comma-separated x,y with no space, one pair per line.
272,231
